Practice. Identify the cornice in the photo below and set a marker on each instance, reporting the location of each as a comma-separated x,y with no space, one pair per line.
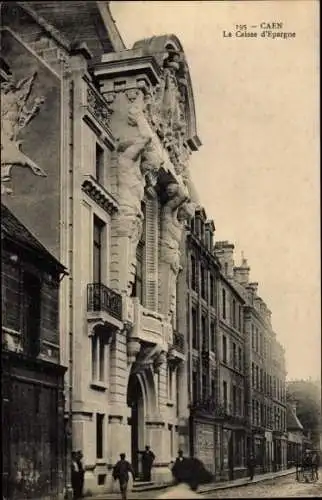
99,194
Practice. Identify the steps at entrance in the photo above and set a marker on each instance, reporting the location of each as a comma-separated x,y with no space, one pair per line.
139,486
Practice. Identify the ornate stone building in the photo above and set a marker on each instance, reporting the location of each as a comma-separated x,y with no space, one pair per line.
103,149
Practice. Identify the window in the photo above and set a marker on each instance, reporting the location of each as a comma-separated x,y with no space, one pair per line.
98,359
257,377
170,383
224,349
99,435
226,268
240,402
256,339
234,360
234,400
10,296
212,291
194,386
213,388
261,380
31,290
212,336
193,273
224,303
97,249
234,313
192,225
253,337
225,394
195,336
204,386
240,328
203,278
138,287
253,375
99,164
240,359
204,333
137,290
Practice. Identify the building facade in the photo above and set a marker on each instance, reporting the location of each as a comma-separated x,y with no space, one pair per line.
265,380
110,177
32,377
295,436
231,341
197,321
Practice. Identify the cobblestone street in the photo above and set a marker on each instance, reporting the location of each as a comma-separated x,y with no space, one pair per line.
278,487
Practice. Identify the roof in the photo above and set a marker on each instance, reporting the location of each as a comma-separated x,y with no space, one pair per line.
86,22
14,230
292,421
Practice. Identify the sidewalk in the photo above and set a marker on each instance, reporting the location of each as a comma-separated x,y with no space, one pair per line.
154,491
243,481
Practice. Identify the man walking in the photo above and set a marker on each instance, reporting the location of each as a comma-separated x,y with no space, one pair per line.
251,466
121,472
147,461
79,459
76,482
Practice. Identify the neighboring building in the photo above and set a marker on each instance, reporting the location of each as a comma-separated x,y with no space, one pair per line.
295,436
307,394
265,380
231,341
32,378
197,320
108,131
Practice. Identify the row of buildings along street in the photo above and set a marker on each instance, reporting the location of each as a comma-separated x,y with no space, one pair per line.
125,323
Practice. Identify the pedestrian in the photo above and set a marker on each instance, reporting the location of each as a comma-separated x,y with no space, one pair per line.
315,465
75,476
251,466
81,469
147,462
188,476
121,472
179,462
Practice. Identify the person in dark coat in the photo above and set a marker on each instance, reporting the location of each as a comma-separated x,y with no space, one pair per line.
76,477
251,466
190,474
79,458
147,461
121,472
315,465
179,461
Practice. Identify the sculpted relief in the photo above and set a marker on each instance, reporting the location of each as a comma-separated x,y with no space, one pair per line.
16,114
138,164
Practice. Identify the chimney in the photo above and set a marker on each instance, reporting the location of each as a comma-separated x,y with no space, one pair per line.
224,251
241,273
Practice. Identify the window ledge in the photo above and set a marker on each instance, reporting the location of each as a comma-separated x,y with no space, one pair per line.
170,403
99,386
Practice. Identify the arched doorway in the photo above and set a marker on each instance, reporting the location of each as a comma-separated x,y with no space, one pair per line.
135,400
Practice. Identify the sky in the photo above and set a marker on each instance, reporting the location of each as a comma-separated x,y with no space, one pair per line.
258,170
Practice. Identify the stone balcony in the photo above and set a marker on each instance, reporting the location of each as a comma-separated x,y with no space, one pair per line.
104,308
150,326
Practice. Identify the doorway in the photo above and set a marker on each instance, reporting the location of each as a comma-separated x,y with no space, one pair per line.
135,401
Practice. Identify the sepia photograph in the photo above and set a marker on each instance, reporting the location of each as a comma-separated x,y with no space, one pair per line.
160,249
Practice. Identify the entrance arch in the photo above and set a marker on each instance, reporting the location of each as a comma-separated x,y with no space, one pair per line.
135,400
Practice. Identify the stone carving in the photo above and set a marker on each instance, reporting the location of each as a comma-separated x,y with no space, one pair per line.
15,115
131,182
165,106
138,163
173,216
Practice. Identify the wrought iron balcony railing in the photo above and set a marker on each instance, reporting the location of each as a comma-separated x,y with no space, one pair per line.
102,298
